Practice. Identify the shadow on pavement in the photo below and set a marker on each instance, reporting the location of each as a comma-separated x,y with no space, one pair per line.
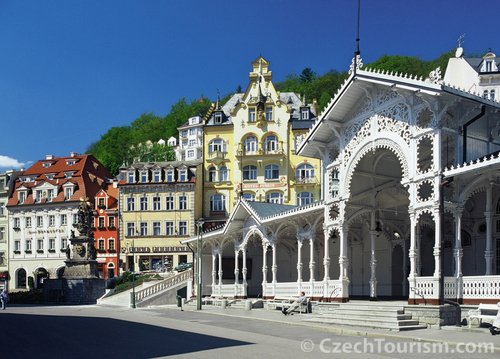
45,336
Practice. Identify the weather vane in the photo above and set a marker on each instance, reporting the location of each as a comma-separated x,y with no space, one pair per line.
460,40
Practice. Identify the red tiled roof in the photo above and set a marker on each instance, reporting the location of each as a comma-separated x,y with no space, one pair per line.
88,177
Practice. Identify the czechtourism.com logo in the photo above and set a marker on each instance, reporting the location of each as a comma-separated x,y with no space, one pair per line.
384,346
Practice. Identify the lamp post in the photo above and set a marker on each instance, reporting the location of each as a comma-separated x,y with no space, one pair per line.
133,275
199,223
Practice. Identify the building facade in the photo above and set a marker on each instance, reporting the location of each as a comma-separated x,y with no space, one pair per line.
6,180
250,149
106,224
159,204
42,210
190,146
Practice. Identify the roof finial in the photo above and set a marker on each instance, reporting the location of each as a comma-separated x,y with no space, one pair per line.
218,100
460,40
357,62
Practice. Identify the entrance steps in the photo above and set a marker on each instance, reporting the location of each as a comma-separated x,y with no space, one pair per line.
372,315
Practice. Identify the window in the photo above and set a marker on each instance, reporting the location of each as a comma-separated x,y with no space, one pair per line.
212,174
157,176
39,221
251,114
50,176
39,245
144,176
52,220
68,174
489,67
170,175
17,246
64,219
131,177
17,223
130,204
38,196
169,228
2,258
22,197
183,175
269,113
70,162
131,229
111,244
223,174
271,144
217,145
46,164
485,94
111,222
101,222
100,244
169,203
304,114
144,228
75,218
156,228
250,145
21,278
192,131
68,192
183,202
52,244
249,173
2,233
28,222
304,172
249,197
182,228
192,143
156,203
218,117
190,154
271,172
64,243
304,198
100,203
274,197
144,203
50,195
217,203
492,95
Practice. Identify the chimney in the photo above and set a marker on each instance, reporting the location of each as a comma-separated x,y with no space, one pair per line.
73,154
49,157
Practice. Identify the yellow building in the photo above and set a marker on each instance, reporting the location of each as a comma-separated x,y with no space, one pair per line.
249,147
158,208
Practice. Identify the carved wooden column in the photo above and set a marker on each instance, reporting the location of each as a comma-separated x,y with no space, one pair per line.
413,254
458,253
214,273
264,269
236,271
373,258
437,244
274,268
488,253
326,255
344,263
220,269
244,271
311,264
299,263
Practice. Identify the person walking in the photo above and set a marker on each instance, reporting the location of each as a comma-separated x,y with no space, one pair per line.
4,298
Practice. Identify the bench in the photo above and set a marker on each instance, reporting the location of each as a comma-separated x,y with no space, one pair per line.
484,313
283,303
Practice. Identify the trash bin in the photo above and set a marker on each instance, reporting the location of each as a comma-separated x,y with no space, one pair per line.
248,304
179,301
223,303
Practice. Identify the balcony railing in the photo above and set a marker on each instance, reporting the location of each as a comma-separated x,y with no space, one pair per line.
277,149
217,155
306,180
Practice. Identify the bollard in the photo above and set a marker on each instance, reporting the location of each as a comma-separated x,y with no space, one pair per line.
183,302
248,304
223,303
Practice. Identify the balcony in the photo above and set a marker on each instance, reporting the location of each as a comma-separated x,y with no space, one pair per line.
277,150
306,180
216,156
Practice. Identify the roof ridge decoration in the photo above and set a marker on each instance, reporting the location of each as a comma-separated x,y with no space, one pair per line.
472,164
295,209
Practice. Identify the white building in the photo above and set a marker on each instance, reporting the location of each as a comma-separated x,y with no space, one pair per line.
42,210
190,140
6,180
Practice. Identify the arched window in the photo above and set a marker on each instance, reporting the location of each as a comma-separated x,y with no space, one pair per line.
217,203
304,172
304,198
271,172
250,145
271,144
249,196
274,197
111,270
21,278
223,174
212,174
249,173
217,145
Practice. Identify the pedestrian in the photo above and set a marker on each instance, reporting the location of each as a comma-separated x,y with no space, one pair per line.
4,297
495,327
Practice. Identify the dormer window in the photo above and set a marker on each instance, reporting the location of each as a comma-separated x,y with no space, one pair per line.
46,164
170,175
157,176
70,162
50,195
144,176
304,114
488,66
38,195
183,175
68,174
68,192
251,114
22,196
218,117
50,176
131,177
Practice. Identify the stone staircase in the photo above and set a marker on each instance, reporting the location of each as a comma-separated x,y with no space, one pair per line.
370,314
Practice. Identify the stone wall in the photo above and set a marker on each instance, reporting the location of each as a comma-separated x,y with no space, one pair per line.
73,291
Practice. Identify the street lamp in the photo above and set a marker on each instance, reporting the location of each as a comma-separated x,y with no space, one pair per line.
133,275
199,223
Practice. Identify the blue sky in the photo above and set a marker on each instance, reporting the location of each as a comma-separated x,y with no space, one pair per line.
72,69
